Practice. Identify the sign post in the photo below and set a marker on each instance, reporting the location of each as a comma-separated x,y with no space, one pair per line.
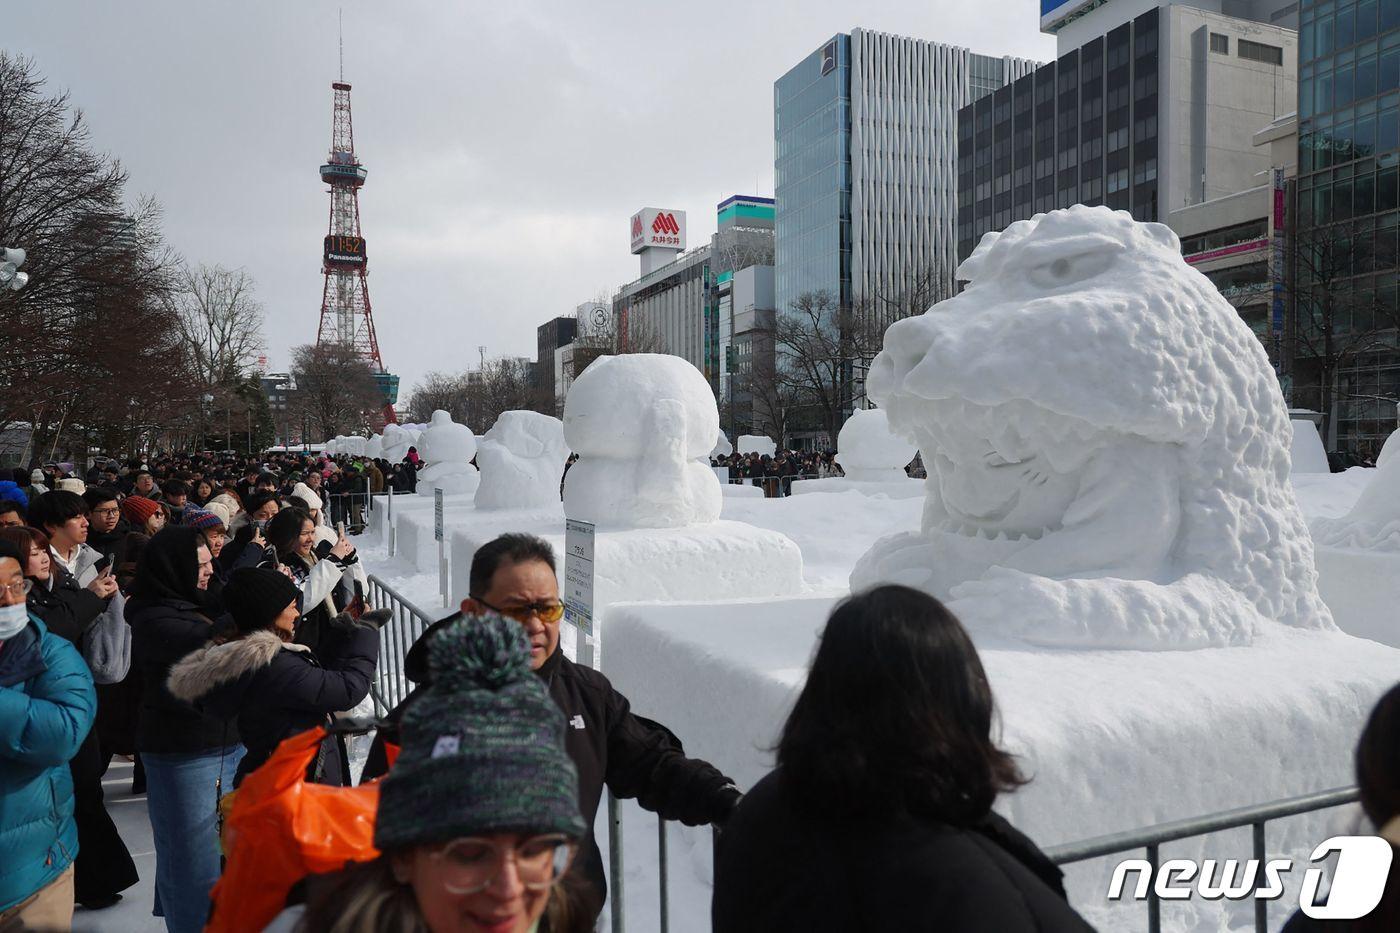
442,549
578,585
389,517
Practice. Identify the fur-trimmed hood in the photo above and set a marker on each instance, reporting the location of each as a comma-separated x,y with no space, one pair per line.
224,669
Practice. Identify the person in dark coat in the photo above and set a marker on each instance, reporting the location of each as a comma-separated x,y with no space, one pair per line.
273,686
103,867
633,756
188,754
1378,781
879,814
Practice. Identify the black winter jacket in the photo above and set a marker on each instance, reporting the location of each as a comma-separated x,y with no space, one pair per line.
67,609
634,756
162,632
780,868
277,690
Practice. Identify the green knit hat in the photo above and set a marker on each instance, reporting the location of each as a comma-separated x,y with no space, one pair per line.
483,746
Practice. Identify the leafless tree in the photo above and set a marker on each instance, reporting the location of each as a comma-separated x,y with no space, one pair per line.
1338,319
335,389
637,333
440,391
818,345
220,322
501,385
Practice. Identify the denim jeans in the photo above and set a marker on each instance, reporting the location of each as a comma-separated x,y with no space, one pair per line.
181,799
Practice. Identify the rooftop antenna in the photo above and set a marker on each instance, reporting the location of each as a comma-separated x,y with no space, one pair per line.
341,15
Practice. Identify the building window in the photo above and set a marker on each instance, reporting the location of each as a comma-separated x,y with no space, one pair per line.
1220,43
1256,51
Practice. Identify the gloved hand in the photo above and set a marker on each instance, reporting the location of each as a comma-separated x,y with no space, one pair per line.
376,618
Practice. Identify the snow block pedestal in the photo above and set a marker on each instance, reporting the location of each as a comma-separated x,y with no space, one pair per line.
1112,740
1362,588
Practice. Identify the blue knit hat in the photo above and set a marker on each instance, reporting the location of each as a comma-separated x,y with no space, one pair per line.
483,746
10,491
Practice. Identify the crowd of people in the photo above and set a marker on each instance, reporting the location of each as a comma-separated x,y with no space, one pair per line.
199,614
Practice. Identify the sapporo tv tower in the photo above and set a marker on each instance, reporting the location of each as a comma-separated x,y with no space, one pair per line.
346,318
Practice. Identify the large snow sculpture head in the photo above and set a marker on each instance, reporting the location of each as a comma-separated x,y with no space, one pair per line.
448,449
521,460
396,441
1107,447
643,426
869,451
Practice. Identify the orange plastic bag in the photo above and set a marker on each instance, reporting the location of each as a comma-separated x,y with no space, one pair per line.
281,829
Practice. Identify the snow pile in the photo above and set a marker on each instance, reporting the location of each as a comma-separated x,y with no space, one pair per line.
722,446
1307,454
522,461
643,426
1374,521
1141,500
757,444
448,449
869,451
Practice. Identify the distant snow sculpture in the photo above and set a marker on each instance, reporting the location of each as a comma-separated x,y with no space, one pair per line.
352,446
869,451
374,447
643,426
722,446
757,444
447,448
1374,521
1306,453
522,461
1107,446
397,440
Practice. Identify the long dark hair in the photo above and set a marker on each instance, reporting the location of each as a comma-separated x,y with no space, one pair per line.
896,716
283,531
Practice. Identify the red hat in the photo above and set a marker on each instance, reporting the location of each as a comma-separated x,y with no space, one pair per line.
138,509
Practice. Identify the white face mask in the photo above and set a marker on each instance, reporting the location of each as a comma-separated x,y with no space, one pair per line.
13,619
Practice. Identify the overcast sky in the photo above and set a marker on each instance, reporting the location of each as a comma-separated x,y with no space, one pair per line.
507,143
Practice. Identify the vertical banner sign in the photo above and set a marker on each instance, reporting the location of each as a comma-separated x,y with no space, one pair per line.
443,584
578,575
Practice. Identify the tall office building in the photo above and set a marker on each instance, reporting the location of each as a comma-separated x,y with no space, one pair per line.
1348,150
1156,114
866,178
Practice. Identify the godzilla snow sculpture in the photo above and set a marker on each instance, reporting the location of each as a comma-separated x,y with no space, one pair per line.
448,449
522,461
1107,446
643,426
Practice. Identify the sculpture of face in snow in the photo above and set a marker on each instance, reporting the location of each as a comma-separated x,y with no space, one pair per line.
1106,443
521,460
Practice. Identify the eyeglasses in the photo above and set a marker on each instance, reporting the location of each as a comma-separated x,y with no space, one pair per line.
548,613
20,589
107,512
470,865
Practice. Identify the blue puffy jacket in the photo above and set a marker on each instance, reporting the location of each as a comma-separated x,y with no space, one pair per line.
47,705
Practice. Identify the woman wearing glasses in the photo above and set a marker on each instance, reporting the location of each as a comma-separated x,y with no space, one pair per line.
478,820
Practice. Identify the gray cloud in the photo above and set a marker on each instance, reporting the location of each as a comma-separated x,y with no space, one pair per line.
507,145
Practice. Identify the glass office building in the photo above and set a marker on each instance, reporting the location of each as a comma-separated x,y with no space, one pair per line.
1349,197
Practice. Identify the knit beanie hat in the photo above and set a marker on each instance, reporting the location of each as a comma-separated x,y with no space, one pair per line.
138,509
256,596
202,520
305,494
483,746
72,484
220,511
37,476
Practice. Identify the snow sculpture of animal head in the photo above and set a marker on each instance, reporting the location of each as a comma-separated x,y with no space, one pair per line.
643,426
1107,447
522,461
395,443
869,451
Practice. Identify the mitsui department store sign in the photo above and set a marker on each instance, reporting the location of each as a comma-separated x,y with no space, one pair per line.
658,227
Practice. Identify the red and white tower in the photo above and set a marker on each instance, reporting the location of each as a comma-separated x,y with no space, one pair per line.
346,318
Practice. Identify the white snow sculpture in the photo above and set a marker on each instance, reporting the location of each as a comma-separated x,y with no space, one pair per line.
353,446
522,461
1306,453
722,446
643,426
397,440
1107,446
1374,521
374,447
757,444
869,451
448,449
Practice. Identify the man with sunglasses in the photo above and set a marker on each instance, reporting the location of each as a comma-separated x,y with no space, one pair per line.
633,756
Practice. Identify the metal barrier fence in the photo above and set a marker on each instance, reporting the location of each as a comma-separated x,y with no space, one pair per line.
404,627
1151,839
